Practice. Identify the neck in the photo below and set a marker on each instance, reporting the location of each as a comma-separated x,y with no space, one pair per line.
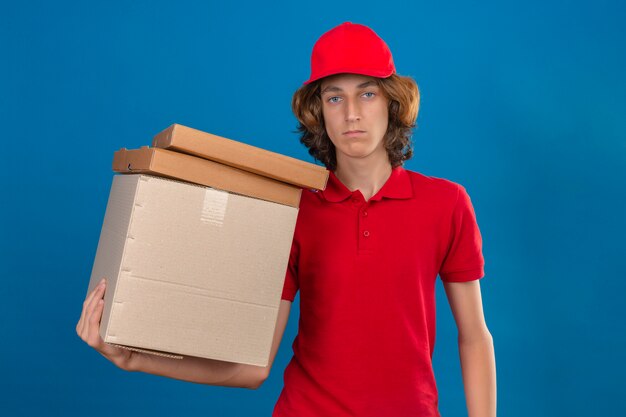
366,176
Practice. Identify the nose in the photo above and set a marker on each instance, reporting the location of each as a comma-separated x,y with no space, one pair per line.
352,111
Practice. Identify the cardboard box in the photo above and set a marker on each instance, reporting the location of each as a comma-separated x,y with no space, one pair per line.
240,155
161,162
192,270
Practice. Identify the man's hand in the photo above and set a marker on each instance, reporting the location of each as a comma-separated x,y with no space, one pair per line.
88,329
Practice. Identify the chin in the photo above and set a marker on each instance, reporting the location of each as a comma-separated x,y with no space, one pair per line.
357,155
359,149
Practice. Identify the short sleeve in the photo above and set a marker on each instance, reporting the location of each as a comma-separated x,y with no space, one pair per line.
464,259
290,288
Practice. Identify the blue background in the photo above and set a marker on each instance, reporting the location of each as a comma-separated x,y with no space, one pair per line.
523,103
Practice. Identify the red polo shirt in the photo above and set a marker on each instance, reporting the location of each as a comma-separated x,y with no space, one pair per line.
366,273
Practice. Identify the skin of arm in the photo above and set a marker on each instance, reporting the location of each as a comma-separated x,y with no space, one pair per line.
192,369
476,348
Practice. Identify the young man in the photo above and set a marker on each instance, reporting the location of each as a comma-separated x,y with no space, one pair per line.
367,249
365,257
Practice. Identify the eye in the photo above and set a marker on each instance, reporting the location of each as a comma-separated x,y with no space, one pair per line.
334,99
369,94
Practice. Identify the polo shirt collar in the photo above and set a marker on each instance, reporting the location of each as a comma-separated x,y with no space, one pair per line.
397,186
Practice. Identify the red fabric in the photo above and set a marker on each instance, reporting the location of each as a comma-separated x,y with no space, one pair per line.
350,48
366,274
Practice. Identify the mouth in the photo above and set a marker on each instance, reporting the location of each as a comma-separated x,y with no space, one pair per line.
351,133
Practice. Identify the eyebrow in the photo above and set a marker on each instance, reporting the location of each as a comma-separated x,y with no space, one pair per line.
333,88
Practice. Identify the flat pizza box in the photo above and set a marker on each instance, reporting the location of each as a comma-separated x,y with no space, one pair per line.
170,164
240,155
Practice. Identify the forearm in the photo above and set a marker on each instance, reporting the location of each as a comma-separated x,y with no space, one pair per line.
192,369
479,375
199,370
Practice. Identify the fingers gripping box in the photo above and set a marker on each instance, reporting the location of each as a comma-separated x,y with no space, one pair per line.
192,270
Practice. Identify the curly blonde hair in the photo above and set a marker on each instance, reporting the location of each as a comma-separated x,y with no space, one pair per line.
404,100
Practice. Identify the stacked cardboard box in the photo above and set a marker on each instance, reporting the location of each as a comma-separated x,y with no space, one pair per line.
195,244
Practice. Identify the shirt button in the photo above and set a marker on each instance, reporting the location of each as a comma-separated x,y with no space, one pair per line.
366,233
365,213
355,200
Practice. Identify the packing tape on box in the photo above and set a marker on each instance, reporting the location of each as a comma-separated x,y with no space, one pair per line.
214,207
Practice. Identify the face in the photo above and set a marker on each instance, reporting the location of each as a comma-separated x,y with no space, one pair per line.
355,117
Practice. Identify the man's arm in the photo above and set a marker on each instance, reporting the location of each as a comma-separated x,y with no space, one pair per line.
475,347
192,369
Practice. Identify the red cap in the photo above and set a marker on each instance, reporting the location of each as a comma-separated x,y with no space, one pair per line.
350,48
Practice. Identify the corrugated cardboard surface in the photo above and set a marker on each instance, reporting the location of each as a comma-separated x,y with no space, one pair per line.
243,156
192,270
189,168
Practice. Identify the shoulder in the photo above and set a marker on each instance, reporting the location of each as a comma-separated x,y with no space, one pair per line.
434,187
311,205
309,197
